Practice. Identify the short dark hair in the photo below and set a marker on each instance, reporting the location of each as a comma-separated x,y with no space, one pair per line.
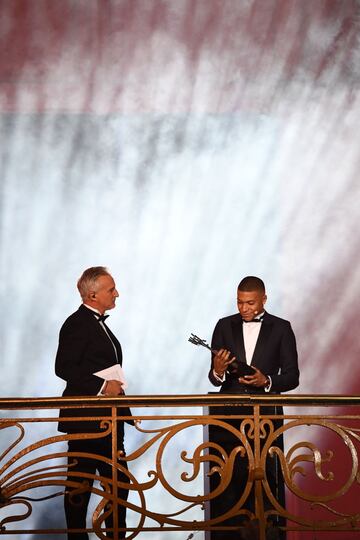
251,283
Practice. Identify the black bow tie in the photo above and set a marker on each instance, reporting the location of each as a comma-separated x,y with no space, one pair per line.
254,320
101,318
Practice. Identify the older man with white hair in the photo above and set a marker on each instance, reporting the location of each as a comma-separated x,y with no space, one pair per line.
89,359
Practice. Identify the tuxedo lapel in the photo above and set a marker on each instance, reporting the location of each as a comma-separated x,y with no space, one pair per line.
90,319
100,332
264,335
238,338
116,343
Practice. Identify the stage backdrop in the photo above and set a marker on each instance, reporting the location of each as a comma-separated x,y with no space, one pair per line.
184,144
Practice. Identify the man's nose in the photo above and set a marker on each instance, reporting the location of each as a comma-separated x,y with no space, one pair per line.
116,294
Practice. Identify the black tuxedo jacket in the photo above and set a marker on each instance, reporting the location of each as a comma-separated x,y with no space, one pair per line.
84,348
275,353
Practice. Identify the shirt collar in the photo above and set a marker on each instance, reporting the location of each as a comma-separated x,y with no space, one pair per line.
92,309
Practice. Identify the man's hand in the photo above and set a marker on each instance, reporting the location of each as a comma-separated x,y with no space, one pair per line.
221,361
258,379
113,388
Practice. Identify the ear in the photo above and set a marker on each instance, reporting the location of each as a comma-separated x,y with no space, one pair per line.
264,299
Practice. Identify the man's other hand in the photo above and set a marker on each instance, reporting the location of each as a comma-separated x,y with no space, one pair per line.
221,361
113,388
258,379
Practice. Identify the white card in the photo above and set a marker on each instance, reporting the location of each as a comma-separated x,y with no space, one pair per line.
113,373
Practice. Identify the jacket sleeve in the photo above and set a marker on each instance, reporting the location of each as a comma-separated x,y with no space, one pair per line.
71,364
216,344
288,376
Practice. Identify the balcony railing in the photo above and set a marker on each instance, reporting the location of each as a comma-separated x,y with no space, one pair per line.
170,459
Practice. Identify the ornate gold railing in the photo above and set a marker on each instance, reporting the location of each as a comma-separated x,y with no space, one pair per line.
170,460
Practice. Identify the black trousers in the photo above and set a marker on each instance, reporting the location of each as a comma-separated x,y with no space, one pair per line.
76,505
240,476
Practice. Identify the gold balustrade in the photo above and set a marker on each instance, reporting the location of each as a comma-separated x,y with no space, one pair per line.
170,459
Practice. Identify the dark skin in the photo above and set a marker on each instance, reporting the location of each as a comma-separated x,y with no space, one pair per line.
221,362
250,304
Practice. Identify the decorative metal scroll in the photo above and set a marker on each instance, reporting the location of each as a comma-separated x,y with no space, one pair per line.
32,472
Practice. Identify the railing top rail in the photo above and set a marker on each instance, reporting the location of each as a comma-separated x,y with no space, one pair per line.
180,400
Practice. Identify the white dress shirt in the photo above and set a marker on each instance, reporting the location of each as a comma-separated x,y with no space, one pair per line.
251,331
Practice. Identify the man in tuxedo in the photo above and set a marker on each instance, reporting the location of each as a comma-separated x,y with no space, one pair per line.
87,346
267,343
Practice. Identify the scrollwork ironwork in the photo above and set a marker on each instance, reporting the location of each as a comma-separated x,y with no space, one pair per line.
24,469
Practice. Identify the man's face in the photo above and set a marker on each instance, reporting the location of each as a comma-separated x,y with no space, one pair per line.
105,295
250,304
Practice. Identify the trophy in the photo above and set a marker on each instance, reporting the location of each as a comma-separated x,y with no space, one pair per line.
239,369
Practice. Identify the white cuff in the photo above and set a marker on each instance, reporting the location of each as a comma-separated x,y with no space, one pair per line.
268,388
220,379
100,392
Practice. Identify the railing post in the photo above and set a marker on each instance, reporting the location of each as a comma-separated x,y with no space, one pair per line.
114,441
258,475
